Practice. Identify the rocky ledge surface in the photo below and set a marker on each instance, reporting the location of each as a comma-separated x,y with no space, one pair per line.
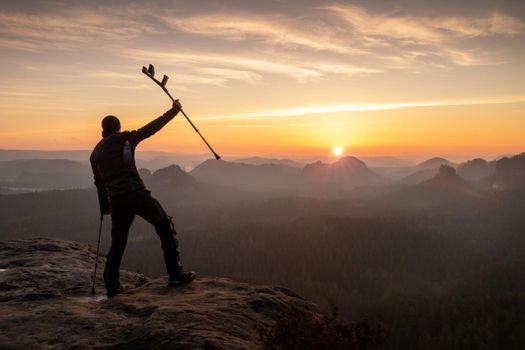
45,302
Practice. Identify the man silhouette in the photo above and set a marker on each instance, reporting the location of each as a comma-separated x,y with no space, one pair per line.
122,194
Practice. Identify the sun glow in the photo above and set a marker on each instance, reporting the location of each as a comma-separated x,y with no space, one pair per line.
337,151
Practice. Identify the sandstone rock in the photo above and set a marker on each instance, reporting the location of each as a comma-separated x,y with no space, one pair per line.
45,303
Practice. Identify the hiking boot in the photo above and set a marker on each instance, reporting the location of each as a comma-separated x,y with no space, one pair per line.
181,278
113,292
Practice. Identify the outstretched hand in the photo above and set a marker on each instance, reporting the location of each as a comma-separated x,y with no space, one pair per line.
176,106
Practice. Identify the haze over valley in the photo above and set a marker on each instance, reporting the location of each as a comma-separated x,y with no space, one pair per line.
399,245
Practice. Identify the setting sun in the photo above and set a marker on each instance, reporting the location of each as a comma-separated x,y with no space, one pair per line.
337,151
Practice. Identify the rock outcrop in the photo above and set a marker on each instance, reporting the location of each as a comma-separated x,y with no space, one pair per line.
45,302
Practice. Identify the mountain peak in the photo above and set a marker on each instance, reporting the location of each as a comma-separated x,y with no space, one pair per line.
172,175
351,161
346,161
510,172
447,171
346,173
447,177
435,162
256,160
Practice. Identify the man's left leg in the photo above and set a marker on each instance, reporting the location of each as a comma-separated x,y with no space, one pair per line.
151,210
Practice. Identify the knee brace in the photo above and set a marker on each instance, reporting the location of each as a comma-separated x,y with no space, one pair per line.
166,232
172,225
166,227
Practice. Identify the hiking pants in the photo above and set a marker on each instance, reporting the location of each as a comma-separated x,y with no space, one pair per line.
123,211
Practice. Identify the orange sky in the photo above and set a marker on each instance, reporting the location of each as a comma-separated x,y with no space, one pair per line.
293,79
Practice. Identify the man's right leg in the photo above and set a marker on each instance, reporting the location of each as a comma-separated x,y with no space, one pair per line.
121,220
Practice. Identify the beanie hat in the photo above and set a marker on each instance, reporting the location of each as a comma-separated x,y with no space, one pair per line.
110,125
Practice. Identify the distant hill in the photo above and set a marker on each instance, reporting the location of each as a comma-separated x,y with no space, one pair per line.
45,174
446,187
476,169
504,156
8,154
418,176
447,177
247,176
152,160
371,162
510,173
344,174
418,173
434,163
385,162
347,173
172,182
171,176
156,160
261,161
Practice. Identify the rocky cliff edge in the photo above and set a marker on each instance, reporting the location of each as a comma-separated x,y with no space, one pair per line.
45,302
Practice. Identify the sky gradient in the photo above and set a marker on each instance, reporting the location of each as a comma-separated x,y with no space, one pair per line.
272,77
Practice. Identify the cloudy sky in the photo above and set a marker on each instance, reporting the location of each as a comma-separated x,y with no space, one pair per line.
269,77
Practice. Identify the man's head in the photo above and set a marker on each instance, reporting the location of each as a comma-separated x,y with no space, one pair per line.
110,125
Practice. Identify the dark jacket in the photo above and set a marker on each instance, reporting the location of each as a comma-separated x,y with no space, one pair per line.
113,160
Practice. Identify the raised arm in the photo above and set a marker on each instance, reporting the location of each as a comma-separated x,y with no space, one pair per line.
152,127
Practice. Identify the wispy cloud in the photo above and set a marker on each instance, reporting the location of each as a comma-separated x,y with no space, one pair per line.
304,42
427,29
225,74
244,67
11,93
203,76
434,36
338,108
276,30
283,125
440,40
223,62
67,29
346,70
